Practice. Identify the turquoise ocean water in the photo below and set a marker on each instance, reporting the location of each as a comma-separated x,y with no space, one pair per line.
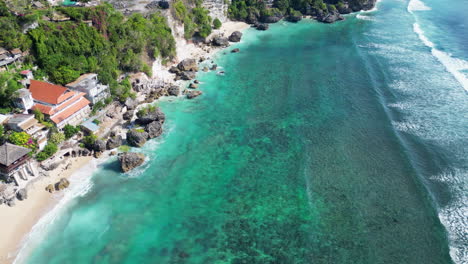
342,143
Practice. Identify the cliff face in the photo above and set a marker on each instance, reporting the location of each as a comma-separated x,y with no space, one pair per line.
218,8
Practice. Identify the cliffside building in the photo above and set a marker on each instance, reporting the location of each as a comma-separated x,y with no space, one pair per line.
89,84
23,100
60,104
28,124
15,164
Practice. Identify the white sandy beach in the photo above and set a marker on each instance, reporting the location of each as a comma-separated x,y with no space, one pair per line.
17,221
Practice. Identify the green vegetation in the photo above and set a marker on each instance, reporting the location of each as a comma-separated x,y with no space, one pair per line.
69,131
196,21
49,150
57,138
122,90
8,86
147,109
124,148
2,134
217,23
97,122
22,139
89,141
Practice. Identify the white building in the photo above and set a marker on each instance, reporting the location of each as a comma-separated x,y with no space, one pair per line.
89,84
24,100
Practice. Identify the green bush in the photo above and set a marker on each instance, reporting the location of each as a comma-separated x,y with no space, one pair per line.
57,138
217,23
49,150
89,141
22,139
69,131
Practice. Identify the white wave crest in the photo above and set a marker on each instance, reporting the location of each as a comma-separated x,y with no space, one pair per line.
454,66
361,17
417,5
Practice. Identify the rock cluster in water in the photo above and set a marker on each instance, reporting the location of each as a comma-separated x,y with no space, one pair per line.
130,160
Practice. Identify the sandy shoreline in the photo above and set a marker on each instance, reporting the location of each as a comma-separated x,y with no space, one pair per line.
19,220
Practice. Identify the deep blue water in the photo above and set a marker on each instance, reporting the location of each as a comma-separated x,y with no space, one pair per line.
342,143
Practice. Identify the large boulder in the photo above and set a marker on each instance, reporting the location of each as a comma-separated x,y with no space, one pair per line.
188,75
294,18
114,142
128,115
136,137
146,116
50,188
131,104
62,184
271,19
174,69
99,145
174,90
220,41
262,26
362,5
22,194
130,160
164,4
235,36
154,129
188,65
193,86
192,94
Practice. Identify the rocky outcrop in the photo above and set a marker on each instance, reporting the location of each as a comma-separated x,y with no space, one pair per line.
193,94
261,26
235,36
188,65
99,145
173,90
187,75
114,142
50,188
329,17
272,19
22,194
128,115
62,184
147,116
130,160
193,86
235,50
154,129
294,18
361,5
136,137
220,41
131,104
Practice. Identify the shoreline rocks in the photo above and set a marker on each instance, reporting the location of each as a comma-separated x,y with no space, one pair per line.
235,36
136,137
130,160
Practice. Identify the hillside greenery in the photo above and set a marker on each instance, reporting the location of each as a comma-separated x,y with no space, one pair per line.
196,20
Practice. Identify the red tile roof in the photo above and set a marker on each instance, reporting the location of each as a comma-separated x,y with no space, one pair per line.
49,93
43,108
82,103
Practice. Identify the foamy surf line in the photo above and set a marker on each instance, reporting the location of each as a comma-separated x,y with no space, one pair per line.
454,66
80,185
417,5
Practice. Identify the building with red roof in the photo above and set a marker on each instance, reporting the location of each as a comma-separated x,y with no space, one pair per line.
63,106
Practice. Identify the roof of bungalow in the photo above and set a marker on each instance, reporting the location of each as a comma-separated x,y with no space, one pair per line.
3,51
4,56
82,103
16,51
25,72
38,4
10,153
19,118
49,93
4,118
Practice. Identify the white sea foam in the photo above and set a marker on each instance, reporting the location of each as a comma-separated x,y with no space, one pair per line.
362,17
454,216
454,66
80,184
417,5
